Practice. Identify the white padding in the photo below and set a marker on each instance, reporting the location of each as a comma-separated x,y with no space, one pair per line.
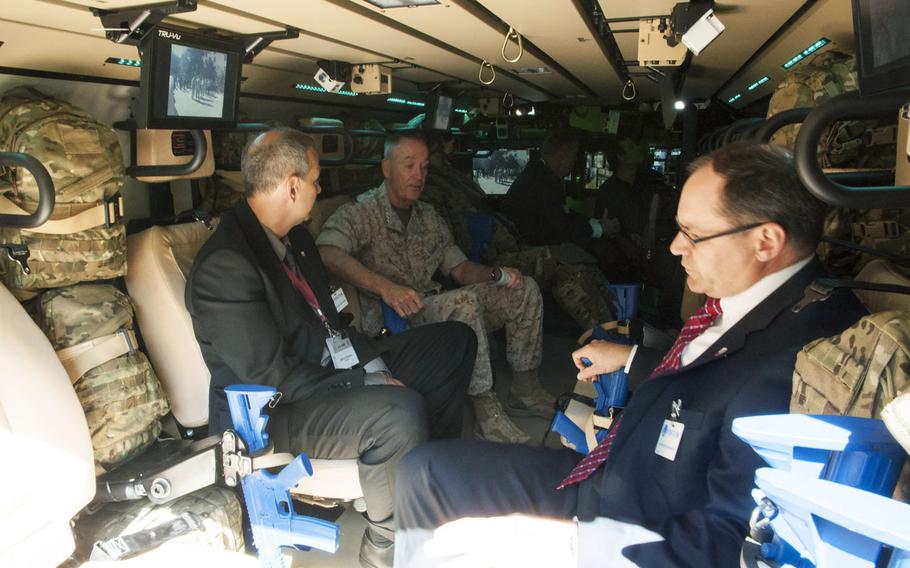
48,471
334,479
882,272
159,260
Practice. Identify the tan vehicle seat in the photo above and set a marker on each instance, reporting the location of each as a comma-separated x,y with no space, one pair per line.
881,271
159,260
322,210
48,471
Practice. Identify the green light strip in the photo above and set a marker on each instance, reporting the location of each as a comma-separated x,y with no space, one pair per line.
122,61
822,42
734,98
315,89
759,83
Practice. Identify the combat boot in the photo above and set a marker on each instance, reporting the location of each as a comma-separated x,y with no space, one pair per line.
491,422
527,397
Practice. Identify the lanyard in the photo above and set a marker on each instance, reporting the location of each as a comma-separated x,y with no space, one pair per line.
304,288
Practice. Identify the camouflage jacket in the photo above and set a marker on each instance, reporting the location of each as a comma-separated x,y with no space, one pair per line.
373,233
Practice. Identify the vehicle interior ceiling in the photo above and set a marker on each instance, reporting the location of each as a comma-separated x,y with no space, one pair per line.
579,65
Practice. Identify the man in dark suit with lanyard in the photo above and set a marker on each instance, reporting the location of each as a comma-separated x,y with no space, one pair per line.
670,485
263,313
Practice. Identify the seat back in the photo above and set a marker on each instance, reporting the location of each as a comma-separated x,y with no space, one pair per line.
881,271
48,473
159,260
322,210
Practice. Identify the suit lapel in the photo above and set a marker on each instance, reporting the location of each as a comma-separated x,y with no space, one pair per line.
759,318
732,341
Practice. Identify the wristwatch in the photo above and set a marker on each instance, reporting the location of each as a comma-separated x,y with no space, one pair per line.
495,274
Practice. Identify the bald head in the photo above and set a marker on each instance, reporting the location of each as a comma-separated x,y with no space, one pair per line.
274,156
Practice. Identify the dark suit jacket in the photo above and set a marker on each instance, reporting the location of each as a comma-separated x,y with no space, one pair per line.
535,204
701,502
253,326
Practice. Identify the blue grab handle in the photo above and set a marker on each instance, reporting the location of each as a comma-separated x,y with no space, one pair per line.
391,320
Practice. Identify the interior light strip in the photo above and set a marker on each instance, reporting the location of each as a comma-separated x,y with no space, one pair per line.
122,61
315,89
734,98
822,42
759,83
401,101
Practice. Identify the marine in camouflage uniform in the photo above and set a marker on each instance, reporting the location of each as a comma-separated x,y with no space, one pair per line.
568,272
408,252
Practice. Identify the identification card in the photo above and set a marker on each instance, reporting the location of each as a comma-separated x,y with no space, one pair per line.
342,351
341,301
670,437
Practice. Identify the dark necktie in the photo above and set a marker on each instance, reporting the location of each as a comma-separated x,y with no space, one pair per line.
695,326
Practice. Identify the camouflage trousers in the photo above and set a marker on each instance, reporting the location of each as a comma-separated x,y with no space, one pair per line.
579,287
487,307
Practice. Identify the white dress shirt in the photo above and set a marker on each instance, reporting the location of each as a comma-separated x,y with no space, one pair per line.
734,308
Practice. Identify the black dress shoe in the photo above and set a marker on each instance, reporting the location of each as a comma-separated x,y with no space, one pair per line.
376,551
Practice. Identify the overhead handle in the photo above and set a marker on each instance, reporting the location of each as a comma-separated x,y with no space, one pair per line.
512,34
485,64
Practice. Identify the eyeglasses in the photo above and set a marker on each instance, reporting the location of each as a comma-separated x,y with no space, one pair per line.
695,240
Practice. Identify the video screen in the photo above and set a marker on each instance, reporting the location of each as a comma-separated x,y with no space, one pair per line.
890,41
494,172
196,82
442,113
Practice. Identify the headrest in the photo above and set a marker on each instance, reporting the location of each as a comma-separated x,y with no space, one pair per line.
318,121
171,147
881,271
322,210
233,179
160,259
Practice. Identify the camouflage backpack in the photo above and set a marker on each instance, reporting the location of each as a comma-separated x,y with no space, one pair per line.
857,372
83,240
90,327
850,143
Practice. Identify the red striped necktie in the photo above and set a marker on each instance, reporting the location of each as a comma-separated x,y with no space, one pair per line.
695,326
701,320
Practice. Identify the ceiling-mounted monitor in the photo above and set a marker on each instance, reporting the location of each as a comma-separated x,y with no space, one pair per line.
882,44
188,81
439,112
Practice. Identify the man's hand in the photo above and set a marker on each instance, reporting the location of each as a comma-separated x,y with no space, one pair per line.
605,357
502,542
515,277
405,301
379,378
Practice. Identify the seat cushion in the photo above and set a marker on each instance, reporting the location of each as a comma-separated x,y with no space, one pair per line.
159,259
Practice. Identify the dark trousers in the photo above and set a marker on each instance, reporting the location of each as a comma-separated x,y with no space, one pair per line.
378,425
448,480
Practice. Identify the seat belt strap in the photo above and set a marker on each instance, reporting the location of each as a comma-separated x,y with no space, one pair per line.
128,545
83,357
102,214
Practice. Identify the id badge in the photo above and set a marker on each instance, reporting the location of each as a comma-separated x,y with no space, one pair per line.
342,351
341,301
670,437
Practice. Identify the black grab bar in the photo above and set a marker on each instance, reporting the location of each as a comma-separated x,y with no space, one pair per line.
847,106
46,195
